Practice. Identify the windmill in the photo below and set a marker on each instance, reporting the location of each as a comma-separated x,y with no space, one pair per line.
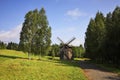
65,50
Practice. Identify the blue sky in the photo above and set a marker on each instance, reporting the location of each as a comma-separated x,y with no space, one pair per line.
68,18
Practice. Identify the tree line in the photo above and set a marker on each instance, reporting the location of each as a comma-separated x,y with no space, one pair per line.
102,38
78,51
10,45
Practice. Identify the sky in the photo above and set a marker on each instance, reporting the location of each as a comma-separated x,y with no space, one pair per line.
67,18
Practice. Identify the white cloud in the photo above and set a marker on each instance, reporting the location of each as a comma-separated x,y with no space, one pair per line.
11,35
75,13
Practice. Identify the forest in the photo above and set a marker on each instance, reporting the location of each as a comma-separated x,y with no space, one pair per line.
102,40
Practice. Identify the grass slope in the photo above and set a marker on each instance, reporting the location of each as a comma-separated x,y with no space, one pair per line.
14,65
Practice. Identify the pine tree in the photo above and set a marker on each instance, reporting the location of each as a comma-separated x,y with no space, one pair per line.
102,41
90,39
112,42
95,35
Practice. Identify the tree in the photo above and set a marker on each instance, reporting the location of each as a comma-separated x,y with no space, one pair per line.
112,41
12,46
75,51
78,51
53,54
95,35
2,45
81,51
28,30
90,39
35,35
54,50
43,34
102,41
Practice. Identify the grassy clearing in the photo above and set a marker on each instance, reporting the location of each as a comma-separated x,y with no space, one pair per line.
14,65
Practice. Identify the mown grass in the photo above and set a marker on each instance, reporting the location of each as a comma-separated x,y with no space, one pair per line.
14,65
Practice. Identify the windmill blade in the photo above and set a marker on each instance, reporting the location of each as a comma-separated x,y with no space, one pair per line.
60,40
70,41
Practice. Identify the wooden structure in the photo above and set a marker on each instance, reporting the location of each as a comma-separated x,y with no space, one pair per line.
65,50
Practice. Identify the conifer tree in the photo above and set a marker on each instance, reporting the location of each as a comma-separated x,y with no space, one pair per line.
94,35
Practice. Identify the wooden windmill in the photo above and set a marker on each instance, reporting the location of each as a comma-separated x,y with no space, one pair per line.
65,50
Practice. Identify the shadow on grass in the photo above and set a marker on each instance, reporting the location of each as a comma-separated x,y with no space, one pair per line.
87,65
12,57
16,57
49,59
73,63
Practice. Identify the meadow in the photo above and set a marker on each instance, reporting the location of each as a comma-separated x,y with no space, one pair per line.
14,65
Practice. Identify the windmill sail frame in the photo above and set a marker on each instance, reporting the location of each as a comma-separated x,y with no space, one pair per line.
66,52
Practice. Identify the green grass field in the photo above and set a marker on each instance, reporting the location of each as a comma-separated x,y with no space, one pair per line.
14,65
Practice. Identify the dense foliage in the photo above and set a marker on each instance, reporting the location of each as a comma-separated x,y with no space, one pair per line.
54,50
12,46
2,45
36,33
78,51
102,40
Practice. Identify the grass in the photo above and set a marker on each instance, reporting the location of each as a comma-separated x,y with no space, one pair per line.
82,59
14,65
